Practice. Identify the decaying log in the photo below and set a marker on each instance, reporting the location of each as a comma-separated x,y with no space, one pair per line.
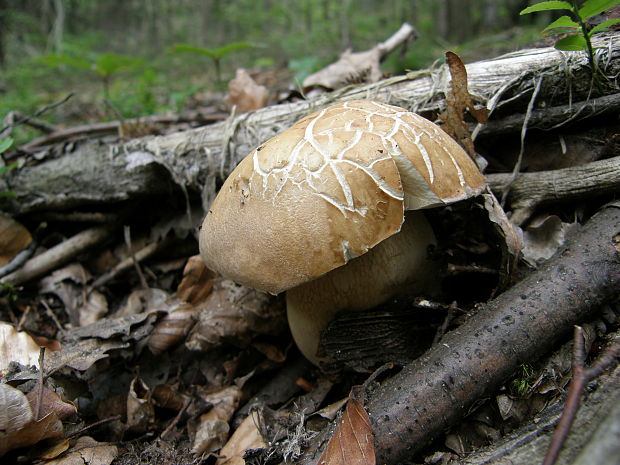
410,409
530,190
195,159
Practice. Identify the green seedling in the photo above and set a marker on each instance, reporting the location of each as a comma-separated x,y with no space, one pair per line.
575,24
105,65
216,54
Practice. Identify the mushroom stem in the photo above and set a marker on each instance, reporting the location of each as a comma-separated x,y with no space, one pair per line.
396,264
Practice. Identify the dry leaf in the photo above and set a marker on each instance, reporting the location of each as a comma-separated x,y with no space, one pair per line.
459,101
353,440
16,346
68,284
245,93
172,328
140,409
13,239
18,425
351,68
511,235
197,282
214,425
246,436
87,451
234,314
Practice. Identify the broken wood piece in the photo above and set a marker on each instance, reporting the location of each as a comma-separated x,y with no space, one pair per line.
530,190
59,255
359,67
441,387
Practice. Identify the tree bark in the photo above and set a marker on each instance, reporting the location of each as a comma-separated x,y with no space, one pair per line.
440,388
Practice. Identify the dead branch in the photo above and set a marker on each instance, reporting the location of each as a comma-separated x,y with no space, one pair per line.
557,116
59,255
531,190
435,391
95,173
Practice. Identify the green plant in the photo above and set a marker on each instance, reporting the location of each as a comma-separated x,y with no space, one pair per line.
105,65
574,23
216,54
521,384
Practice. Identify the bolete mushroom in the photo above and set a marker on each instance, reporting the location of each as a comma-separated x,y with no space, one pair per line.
319,211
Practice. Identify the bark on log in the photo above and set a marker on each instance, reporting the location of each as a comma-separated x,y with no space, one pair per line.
529,190
435,391
194,159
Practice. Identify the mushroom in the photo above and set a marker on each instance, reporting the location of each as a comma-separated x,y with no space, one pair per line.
319,211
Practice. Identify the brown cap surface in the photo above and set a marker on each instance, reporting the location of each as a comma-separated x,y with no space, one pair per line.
327,189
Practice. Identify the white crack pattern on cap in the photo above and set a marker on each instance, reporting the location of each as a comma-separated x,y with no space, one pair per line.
299,156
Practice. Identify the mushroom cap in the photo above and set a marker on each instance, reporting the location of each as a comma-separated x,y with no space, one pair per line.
326,190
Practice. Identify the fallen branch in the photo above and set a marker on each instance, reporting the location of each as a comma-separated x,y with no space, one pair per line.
194,159
58,255
530,190
435,391
553,117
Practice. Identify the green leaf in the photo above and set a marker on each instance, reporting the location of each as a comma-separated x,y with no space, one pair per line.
231,47
595,7
563,22
546,6
4,169
571,43
215,53
186,48
5,144
110,63
603,26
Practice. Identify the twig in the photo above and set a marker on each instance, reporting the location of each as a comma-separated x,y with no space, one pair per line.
136,264
39,112
581,377
528,113
40,383
140,255
59,255
176,419
19,259
92,425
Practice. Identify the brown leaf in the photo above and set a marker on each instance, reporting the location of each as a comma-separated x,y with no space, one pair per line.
353,441
13,239
459,101
172,328
213,429
511,236
197,282
18,427
87,451
140,408
16,346
245,93
246,436
235,314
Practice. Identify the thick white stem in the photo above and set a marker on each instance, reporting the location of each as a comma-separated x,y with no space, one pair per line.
398,263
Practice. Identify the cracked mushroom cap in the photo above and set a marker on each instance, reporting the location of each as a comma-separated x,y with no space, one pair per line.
328,189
